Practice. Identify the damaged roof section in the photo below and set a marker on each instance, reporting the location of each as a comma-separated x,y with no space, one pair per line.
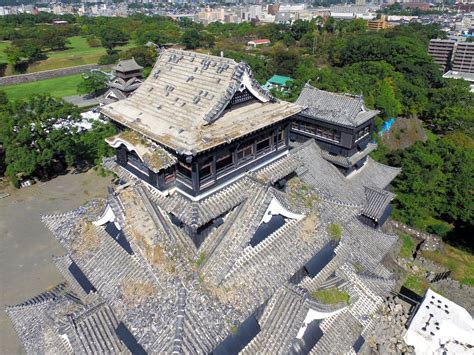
184,103
154,156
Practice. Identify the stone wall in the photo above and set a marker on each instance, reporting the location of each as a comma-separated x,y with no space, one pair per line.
48,74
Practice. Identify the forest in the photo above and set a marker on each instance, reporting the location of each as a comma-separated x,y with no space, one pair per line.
390,68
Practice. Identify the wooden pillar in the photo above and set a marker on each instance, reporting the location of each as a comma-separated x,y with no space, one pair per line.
195,176
287,135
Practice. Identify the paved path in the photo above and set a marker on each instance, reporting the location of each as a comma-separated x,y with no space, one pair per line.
26,246
82,101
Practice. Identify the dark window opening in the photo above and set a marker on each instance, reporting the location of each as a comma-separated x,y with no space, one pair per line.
266,229
205,169
362,133
245,153
279,137
184,170
169,176
318,131
224,162
263,144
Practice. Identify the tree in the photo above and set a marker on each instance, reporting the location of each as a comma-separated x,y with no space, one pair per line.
3,98
93,83
39,135
190,38
111,37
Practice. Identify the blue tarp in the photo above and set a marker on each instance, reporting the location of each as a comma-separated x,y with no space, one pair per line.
386,126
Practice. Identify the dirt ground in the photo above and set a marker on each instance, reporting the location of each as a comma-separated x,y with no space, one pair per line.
26,246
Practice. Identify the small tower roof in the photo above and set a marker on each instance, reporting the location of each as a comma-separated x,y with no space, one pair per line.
127,65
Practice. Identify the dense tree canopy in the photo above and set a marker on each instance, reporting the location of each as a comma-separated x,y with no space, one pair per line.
39,136
434,189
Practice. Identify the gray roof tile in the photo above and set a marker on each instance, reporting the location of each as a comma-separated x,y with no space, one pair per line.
342,109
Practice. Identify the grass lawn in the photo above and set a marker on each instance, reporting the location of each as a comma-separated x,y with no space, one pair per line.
59,87
77,53
460,262
330,296
407,248
417,284
3,45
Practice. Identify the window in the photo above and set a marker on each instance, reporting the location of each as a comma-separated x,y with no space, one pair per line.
205,169
224,162
263,144
184,170
318,131
279,138
245,153
362,133
169,176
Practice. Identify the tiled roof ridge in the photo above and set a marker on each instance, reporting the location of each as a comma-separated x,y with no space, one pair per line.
351,108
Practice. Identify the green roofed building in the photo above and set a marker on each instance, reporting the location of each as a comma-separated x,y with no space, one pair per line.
277,81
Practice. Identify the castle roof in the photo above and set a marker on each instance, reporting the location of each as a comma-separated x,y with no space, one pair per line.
126,65
184,103
342,109
171,296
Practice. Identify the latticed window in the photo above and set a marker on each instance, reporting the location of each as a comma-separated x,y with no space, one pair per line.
245,152
362,133
224,162
205,169
240,97
323,132
184,170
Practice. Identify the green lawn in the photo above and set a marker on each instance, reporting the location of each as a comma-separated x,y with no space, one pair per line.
407,248
59,87
3,45
77,53
460,262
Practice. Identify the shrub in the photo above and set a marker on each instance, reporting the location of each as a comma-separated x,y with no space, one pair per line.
335,231
108,59
93,41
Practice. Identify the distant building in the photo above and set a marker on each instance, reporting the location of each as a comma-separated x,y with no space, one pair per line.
127,78
441,50
258,42
460,75
464,57
278,82
209,15
273,9
416,5
376,25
